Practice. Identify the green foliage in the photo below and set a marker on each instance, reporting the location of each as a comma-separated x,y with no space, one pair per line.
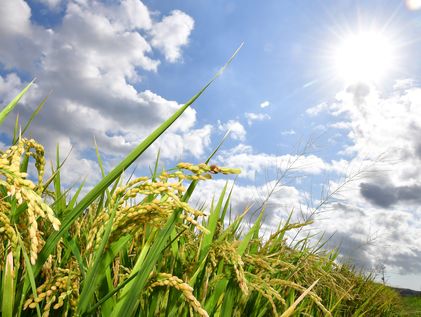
411,305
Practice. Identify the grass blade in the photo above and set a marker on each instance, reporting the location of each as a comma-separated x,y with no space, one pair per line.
16,130
253,232
30,274
213,221
93,276
6,110
34,114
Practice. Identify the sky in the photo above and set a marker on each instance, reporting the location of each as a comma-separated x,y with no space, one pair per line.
323,105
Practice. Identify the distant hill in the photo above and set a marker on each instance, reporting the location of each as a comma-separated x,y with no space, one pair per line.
407,292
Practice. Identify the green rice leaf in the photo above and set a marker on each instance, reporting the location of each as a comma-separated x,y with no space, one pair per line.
30,275
104,262
60,199
6,110
229,300
73,201
213,221
227,205
252,233
16,130
34,114
56,171
94,274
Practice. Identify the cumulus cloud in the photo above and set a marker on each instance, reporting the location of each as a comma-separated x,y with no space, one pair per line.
172,33
237,131
15,18
387,195
9,86
93,60
251,117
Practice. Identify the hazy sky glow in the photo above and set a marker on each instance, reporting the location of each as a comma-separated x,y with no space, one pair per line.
331,87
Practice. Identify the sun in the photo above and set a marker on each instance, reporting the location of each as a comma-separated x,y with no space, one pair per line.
364,56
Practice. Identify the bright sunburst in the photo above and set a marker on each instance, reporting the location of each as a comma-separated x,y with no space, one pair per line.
365,56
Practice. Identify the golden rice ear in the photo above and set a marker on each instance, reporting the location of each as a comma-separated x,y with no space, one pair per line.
25,191
294,305
164,279
133,212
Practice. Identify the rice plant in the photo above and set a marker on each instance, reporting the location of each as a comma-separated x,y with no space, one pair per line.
138,248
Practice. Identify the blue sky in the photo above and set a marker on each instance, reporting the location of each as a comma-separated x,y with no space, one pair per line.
119,68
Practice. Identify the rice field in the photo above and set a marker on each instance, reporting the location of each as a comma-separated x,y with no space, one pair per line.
411,305
137,247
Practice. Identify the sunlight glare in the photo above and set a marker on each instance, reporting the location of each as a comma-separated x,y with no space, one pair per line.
366,56
413,4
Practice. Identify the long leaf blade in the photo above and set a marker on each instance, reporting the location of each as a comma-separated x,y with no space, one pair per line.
6,110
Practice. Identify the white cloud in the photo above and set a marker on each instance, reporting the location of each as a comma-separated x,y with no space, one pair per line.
172,33
380,210
126,14
251,117
137,15
9,86
404,84
237,131
177,145
15,18
264,104
314,111
250,163
341,125
198,140
93,60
